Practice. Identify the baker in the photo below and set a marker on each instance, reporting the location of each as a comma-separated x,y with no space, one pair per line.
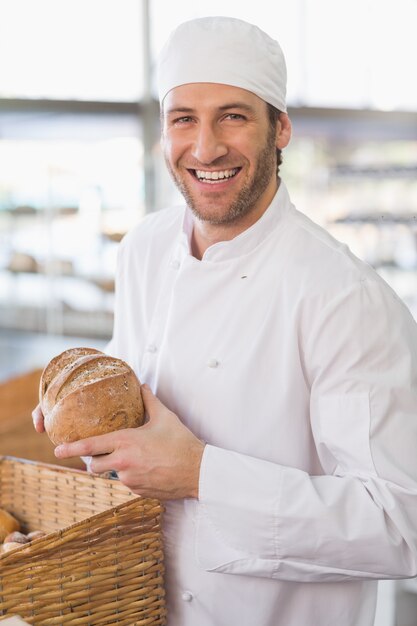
283,430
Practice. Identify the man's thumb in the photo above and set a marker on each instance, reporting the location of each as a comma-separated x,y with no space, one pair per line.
150,401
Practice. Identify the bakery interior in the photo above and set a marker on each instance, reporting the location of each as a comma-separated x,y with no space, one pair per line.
80,163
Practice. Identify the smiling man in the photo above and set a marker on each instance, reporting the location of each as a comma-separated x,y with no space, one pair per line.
283,432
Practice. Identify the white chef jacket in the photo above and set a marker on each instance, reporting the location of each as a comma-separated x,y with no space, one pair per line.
297,365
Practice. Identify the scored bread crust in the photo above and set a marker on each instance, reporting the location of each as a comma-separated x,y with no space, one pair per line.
84,392
58,382
59,363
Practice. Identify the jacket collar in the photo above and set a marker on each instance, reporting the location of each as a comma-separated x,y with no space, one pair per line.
246,241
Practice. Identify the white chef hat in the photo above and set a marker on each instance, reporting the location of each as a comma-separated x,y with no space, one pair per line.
224,50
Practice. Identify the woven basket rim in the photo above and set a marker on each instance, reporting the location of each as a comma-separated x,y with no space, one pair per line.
51,466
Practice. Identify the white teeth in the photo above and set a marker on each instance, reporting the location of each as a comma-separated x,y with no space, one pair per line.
212,176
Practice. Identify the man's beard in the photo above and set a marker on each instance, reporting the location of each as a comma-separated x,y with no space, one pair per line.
247,197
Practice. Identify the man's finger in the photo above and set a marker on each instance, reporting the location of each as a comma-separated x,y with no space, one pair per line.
38,419
92,446
102,464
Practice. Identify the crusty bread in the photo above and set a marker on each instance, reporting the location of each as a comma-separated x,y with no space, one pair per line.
83,392
8,524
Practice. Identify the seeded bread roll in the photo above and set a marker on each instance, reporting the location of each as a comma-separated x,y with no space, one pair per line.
83,392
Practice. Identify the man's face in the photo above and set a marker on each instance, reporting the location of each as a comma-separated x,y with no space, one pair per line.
220,150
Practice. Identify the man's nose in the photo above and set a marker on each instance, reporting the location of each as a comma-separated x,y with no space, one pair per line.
208,145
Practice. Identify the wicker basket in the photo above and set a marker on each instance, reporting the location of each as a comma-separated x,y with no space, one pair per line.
101,561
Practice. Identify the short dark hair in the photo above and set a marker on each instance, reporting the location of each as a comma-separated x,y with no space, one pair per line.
273,117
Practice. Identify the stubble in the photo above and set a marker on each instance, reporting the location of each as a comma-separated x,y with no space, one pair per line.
247,197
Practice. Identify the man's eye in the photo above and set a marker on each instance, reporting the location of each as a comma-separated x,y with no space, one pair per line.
235,116
182,120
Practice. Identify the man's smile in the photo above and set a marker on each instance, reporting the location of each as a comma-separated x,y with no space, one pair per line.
214,177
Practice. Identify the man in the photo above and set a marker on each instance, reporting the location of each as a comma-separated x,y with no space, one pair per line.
283,432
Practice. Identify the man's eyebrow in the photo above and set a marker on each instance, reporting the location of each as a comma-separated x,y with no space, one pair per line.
236,105
179,110
223,107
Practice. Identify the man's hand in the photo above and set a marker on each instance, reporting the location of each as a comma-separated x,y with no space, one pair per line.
38,423
160,459
37,417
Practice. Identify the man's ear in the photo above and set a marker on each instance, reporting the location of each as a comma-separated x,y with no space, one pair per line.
283,133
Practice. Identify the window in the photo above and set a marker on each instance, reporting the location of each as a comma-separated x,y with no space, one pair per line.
71,49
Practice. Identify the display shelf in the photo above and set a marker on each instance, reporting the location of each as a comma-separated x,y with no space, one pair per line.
378,219
387,171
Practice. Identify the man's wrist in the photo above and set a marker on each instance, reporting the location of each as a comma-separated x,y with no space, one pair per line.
197,458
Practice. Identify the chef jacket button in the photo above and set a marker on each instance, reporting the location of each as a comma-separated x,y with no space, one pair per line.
213,363
175,264
187,596
151,348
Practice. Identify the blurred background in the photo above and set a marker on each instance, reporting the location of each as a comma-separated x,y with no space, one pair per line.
80,160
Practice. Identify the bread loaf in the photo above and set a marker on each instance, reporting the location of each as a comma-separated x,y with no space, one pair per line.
83,392
8,524
16,537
